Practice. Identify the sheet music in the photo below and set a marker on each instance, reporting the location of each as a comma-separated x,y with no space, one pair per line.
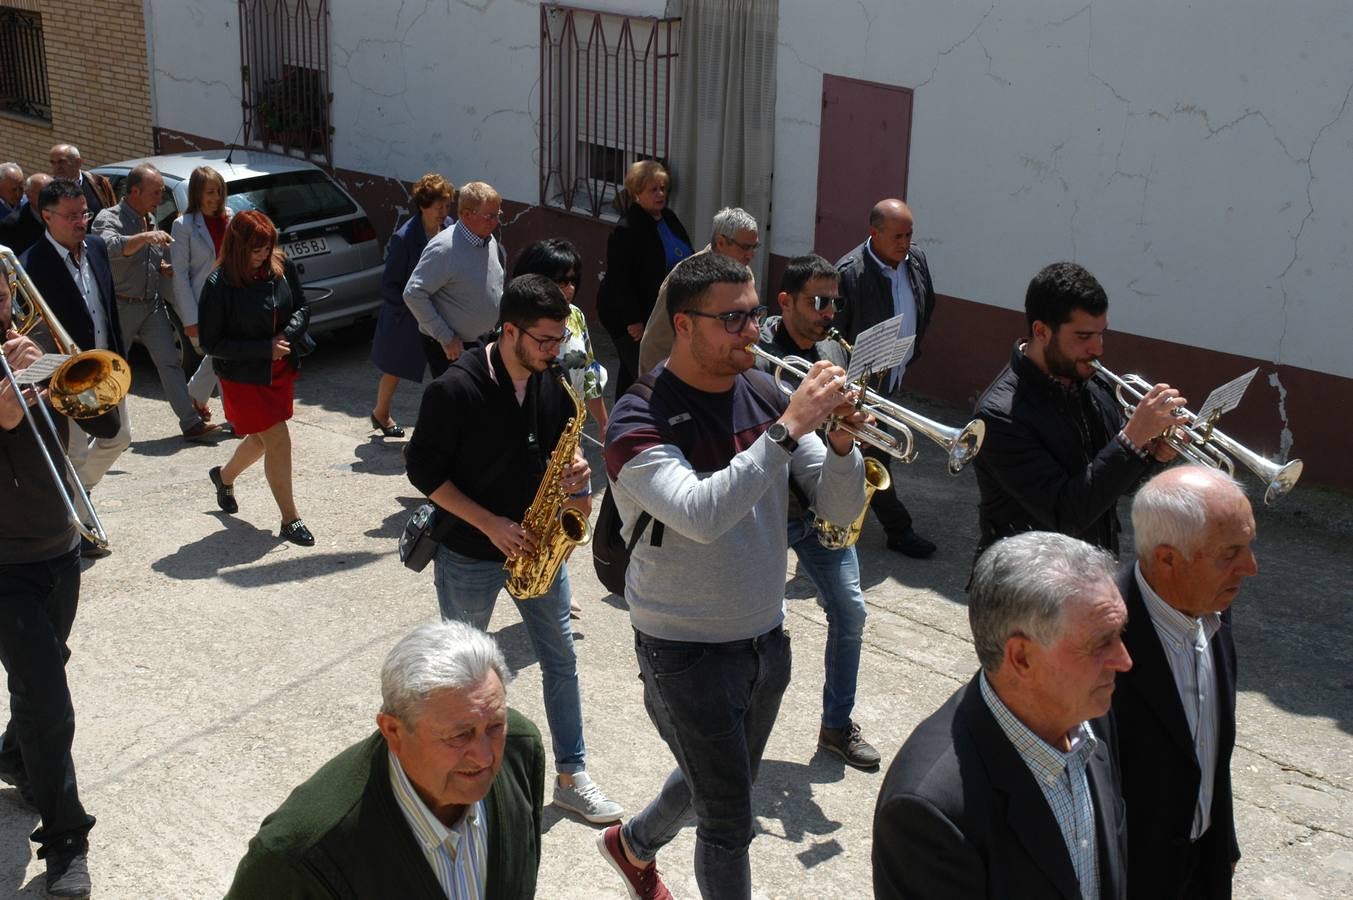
1227,397
879,348
42,368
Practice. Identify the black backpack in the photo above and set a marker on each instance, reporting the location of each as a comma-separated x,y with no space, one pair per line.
610,551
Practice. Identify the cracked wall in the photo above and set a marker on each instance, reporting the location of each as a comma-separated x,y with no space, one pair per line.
1193,157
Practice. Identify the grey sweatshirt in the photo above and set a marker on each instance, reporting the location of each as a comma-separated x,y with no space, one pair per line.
456,287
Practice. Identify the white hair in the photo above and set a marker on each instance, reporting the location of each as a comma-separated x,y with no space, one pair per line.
1171,509
730,220
1021,585
436,656
10,170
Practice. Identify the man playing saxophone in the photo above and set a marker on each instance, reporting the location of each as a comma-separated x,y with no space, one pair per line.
809,299
484,439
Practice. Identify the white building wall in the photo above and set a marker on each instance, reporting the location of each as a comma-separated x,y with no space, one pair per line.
1195,157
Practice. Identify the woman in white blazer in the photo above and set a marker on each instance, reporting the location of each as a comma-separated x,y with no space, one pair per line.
197,244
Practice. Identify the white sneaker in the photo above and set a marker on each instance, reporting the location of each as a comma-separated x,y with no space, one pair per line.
586,799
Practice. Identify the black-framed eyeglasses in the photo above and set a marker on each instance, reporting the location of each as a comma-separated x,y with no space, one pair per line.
735,319
822,301
549,344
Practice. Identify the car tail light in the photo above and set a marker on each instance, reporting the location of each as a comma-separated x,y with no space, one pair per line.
359,231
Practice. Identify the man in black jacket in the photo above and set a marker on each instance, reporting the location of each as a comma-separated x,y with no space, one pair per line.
1176,709
1010,789
39,593
1058,453
486,430
881,278
22,230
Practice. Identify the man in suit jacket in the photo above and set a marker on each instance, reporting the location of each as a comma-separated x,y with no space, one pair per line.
98,191
1176,709
452,766
22,230
70,269
883,277
1008,790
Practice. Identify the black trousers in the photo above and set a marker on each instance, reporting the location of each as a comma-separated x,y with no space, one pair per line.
435,355
37,610
627,350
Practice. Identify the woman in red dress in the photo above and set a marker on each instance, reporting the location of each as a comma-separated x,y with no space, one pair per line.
252,319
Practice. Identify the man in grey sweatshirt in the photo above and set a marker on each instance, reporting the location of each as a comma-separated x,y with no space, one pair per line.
709,456
456,287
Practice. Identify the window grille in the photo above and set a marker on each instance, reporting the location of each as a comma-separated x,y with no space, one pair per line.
284,74
23,64
606,88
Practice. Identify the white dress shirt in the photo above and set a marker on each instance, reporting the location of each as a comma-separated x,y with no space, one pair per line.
83,276
904,305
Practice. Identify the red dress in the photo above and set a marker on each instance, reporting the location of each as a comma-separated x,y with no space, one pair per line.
251,408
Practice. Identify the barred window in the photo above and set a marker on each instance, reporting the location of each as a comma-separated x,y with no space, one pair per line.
23,64
605,102
284,68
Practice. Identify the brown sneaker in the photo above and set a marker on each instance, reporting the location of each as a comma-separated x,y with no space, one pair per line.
850,745
202,430
642,884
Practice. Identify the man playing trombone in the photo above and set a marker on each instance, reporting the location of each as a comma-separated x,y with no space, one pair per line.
1058,451
39,591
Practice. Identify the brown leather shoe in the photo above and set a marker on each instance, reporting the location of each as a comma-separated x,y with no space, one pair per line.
201,430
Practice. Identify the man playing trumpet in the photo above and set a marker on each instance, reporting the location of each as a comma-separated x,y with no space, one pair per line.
810,298
1058,452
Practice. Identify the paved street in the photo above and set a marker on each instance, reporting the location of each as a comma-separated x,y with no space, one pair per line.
214,668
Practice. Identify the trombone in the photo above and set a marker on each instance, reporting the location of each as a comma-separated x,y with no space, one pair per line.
85,385
960,444
1202,443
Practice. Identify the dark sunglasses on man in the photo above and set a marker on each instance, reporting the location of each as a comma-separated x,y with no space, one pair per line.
822,301
734,320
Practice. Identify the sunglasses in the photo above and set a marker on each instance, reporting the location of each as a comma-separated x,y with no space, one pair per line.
821,302
733,320
567,280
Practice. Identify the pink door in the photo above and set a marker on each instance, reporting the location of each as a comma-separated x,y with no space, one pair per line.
862,158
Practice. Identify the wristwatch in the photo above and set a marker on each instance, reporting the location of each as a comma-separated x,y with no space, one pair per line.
779,434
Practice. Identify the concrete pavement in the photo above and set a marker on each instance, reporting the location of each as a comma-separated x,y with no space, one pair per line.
215,667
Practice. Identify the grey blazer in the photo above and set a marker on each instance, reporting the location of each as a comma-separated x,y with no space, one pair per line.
193,256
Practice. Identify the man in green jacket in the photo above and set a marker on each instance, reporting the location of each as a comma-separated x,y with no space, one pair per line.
443,801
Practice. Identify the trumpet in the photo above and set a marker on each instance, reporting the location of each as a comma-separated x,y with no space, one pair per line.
1202,442
961,445
86,385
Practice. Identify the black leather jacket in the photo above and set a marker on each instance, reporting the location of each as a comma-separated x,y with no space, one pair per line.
1051,460
237,324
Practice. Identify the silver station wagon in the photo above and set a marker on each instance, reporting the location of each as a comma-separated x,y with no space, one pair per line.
320,226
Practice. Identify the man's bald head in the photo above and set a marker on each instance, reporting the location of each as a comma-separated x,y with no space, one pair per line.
66,161
33,187
890,228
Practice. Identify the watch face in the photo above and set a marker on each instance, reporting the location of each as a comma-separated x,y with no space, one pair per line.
778,432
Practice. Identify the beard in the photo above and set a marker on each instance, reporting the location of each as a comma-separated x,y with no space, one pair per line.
717,357
526,360
1061,365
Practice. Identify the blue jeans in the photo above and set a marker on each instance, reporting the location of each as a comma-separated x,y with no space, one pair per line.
467,589
714,705
836,575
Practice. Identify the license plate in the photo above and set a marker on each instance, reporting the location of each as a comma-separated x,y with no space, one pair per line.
307,247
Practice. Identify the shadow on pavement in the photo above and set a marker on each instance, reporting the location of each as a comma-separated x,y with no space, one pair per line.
242,543
17,822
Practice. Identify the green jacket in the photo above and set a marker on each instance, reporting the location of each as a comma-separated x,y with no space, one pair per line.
341,834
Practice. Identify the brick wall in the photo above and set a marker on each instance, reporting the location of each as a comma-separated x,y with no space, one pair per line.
98,80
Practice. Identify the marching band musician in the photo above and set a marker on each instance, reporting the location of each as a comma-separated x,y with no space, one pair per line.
39,592
809,300
1058,451
708,454
485,432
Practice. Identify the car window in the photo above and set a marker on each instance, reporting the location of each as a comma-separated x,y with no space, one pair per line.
290,198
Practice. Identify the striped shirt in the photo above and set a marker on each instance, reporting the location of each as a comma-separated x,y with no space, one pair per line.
1065,785
1187,644
458,855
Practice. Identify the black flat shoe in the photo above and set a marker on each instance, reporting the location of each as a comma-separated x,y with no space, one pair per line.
296,532
225,493
394,429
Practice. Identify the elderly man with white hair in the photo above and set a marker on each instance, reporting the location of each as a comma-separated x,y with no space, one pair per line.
734,235
1176,709
444,800
11,191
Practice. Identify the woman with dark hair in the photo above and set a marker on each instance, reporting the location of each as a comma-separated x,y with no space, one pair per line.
397,348
253,320
647,242
559,261
197,243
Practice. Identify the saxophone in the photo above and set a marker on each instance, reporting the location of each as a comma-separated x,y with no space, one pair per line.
557,529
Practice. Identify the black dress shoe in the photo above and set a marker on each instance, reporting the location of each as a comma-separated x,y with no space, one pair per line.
394,429
68,875
225,493
909,543
296,532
